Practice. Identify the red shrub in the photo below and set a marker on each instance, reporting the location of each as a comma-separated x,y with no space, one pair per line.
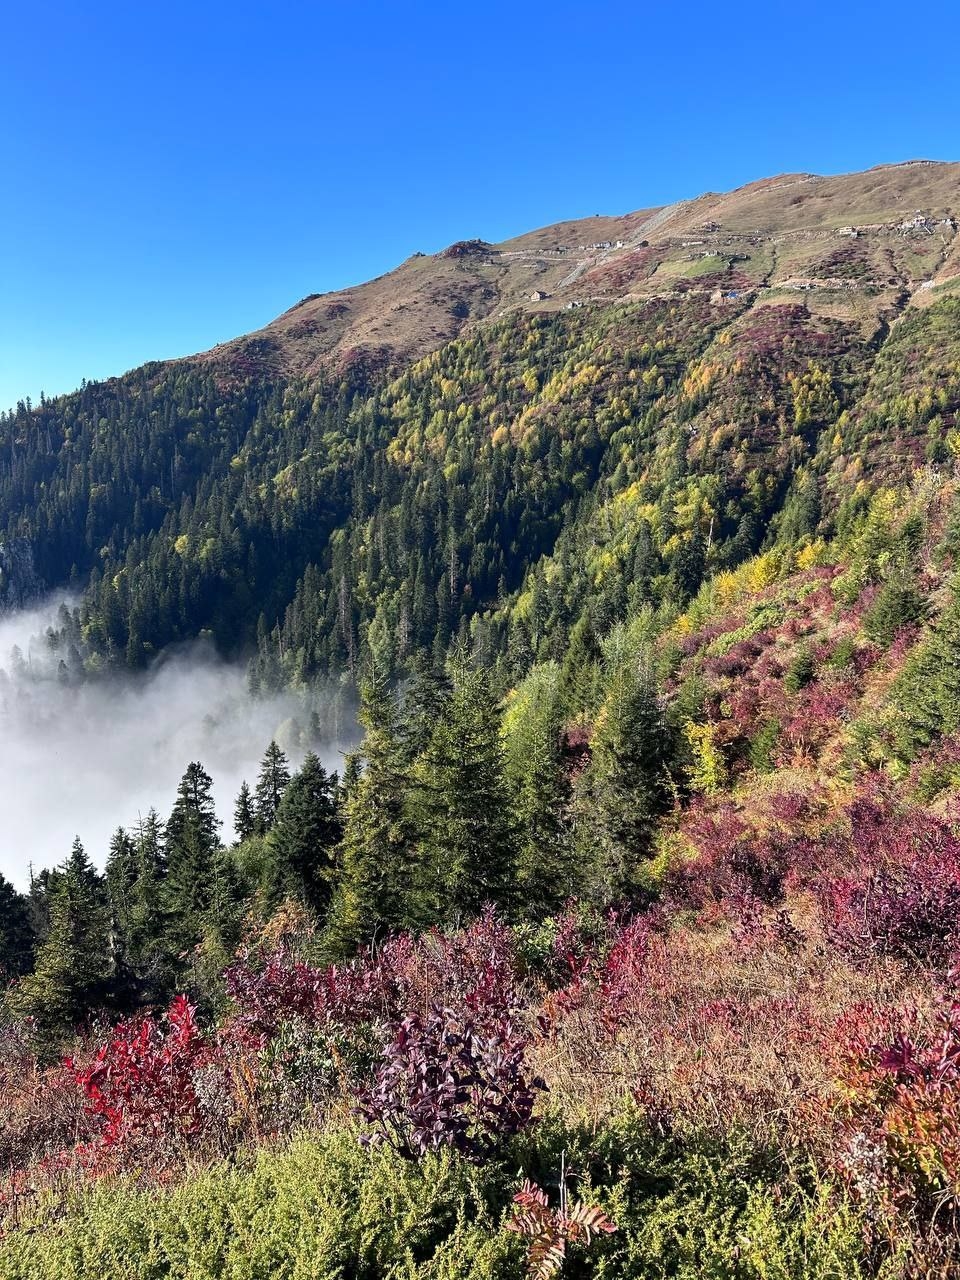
143,1089
899,1112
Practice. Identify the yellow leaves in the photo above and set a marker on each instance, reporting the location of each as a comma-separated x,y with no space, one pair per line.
813,396
699,380
500,436
182,545
762,571
812,554
725,588
707,770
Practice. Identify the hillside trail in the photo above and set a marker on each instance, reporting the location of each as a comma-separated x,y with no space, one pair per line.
651,224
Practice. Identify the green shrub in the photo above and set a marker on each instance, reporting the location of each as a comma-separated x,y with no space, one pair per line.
763,745
323,1209
843,654
898,604
328,1209
800,672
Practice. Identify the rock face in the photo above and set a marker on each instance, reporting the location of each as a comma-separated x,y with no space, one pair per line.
20,584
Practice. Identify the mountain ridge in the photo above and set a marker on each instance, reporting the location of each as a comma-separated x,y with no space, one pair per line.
427,300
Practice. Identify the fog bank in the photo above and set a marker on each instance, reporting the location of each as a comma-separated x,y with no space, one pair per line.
85,758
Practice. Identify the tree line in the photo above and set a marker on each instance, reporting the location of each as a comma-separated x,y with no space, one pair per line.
454,799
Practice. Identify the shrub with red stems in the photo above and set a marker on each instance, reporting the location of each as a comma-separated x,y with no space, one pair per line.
154,1088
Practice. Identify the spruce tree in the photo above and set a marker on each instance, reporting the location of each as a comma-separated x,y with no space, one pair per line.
627,785
546,871
244,815
148,908
578,672
191,848
71,976
16,933
305,835
927,691
379,883
271,784
462,808
120,876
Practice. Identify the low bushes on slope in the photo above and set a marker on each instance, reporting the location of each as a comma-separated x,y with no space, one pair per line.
327,1209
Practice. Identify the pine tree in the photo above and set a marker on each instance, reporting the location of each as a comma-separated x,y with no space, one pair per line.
627,785
244,815
271,784
70,978
578,673
927,691
305,835
120,876
148,909
546,872
191,848
463,805
379,881
16,933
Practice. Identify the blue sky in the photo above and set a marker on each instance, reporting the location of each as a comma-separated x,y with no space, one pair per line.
175,174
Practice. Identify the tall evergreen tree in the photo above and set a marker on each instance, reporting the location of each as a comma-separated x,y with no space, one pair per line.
244,815
627,785
928,689
578,672
71,976
120,877
462,806
191,848
305,835
271,784
16,933
148,908
379,875
546,870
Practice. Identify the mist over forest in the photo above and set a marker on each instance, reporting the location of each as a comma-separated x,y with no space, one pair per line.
82,757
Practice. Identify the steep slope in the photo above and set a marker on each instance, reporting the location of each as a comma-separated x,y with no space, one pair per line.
438,455
780,236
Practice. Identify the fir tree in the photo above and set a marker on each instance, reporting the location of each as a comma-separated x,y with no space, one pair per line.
191,848
244,815
148,908
546,873
16,933
578,672
70,978
627,785
305,835
120,876
928,689
379,884
463,805
271,784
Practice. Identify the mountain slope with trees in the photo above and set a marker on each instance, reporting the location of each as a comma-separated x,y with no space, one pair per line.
625,943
